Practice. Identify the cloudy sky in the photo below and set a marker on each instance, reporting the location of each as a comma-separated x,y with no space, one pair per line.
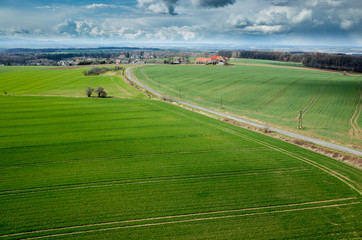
279,22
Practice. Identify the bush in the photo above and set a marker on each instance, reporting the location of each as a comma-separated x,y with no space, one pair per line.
100,70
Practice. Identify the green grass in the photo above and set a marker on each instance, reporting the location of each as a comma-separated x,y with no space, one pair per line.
275,95
267,62
57,81
144,169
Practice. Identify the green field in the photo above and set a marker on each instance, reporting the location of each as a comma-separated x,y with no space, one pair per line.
59,81
136,168
331,103
260,61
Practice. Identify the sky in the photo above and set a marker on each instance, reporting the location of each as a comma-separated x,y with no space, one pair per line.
234,22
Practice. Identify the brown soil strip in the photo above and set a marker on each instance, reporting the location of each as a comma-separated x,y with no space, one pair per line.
191,215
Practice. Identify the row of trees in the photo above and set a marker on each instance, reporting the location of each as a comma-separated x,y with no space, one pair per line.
339,62
99,90
100,70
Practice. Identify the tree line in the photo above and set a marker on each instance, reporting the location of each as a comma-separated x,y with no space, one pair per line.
340,62
100,70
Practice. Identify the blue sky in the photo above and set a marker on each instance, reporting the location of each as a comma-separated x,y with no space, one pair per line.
258,22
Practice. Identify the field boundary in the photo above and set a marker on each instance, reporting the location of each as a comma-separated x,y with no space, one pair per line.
181,218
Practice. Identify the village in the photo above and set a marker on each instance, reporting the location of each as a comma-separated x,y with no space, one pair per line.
143,59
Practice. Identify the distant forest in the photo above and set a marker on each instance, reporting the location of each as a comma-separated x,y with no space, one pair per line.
338,62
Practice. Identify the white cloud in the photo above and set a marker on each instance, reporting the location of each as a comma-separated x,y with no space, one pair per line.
265,29
158,6
100,5
303,15
69,27
346,24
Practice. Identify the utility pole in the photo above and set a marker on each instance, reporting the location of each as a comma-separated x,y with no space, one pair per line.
300,120
221,102
179,93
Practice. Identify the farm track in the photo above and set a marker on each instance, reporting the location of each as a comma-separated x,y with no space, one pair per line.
248,122
119,87
355,131
181,218
148,180
278,94
315,98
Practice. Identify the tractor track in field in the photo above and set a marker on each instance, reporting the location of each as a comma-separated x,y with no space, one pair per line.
249,89
278,94
355,131
232,213
119,87
248,122
148,180
315,98
156,154
353,185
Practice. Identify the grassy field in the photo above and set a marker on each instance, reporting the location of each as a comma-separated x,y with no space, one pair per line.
135,168
138,169
331,103
60,81
260,61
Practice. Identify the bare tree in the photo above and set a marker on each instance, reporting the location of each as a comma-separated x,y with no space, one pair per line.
89,91
101,92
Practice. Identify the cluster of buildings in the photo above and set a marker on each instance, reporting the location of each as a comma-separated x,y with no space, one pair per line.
213,60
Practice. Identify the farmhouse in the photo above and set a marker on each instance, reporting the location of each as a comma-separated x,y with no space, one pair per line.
203,60
213,60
